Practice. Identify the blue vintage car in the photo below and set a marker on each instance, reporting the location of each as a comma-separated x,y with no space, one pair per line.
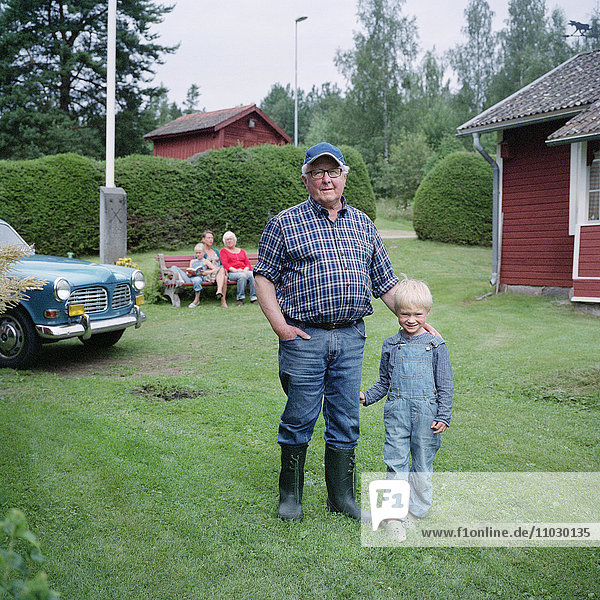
79,299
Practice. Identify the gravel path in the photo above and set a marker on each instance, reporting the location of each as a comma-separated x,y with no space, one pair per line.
389,234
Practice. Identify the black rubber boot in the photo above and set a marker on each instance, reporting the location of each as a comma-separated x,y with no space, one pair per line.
340,477
291,482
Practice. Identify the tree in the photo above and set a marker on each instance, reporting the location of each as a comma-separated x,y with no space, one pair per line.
558,49
324,115
376,70
589,42
474,61
279,105
530,46
433,106
53,74
523,41
399,177
192,97
161,109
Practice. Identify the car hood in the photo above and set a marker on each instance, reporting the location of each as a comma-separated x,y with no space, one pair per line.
76,272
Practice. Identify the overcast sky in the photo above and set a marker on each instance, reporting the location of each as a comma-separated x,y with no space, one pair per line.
235,50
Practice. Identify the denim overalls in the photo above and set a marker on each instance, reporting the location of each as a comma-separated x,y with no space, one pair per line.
409,411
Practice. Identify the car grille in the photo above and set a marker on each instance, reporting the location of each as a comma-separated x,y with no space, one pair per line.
95,299
121,296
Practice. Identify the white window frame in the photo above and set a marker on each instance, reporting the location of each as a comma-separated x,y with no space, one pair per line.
577,185
596,162
579,192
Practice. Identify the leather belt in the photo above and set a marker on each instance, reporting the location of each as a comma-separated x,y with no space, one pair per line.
328,326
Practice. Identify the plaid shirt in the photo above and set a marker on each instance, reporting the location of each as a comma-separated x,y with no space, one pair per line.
323,271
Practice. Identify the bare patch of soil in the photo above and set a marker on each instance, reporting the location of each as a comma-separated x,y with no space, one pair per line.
166,393
73,360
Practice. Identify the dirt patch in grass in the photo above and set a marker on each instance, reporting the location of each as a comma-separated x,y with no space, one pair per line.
67,360
166,393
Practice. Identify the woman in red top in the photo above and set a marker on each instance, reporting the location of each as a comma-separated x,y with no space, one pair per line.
236,264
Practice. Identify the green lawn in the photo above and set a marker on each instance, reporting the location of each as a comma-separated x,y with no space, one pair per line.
149,470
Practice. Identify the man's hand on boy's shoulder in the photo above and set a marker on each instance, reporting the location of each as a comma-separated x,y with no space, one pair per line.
439,427
431,329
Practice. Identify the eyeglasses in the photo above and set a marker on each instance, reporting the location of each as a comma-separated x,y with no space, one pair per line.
333,173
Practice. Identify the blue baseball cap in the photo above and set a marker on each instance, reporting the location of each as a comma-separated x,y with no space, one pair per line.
324,149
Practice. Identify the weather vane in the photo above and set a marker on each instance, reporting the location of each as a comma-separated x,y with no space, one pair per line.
583,30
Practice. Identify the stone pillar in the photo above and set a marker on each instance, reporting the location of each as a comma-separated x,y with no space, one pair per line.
113,224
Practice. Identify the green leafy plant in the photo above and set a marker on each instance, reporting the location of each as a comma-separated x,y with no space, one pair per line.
399,176
454,201
17,559
169,201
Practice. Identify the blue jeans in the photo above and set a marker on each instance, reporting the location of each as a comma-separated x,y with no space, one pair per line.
323,371
195,281
408,433
409,411
242,278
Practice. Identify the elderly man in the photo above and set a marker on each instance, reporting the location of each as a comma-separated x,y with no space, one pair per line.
319,263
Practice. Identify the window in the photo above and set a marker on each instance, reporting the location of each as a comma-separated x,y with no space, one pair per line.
594,189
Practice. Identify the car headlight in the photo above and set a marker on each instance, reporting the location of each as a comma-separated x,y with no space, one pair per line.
138,280
62,289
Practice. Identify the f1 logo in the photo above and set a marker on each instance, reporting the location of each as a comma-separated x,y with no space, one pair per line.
389,500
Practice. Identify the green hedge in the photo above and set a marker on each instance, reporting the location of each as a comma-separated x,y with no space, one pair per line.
454,201
54,201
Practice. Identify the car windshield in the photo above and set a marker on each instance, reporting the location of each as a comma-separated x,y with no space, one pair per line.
9,237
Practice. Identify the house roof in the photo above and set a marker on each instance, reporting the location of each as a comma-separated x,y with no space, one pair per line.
571,89
213,120
586,125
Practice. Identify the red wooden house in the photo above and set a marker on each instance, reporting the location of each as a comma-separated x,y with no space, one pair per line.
197,132
547,183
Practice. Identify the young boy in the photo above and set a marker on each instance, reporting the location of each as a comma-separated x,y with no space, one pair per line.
416,375
199,270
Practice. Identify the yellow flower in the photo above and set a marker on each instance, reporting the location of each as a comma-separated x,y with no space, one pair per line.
126,262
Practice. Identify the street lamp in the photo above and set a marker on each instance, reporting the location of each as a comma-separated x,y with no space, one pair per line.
296,80
113,200
110,93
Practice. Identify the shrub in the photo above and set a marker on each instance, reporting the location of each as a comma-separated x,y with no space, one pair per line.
17,561
54,201
454,201
164,201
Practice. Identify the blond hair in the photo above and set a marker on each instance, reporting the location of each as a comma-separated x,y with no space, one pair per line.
199,247
412,293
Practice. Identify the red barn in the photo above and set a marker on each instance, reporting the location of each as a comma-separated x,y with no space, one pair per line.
197,132
547,182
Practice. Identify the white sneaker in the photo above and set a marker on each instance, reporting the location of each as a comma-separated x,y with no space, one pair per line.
192,305
412,521
396,530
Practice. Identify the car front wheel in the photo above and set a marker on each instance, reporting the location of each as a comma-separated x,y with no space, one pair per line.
103,340
19,341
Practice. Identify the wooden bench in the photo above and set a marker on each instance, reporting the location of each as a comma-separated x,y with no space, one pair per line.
171,286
